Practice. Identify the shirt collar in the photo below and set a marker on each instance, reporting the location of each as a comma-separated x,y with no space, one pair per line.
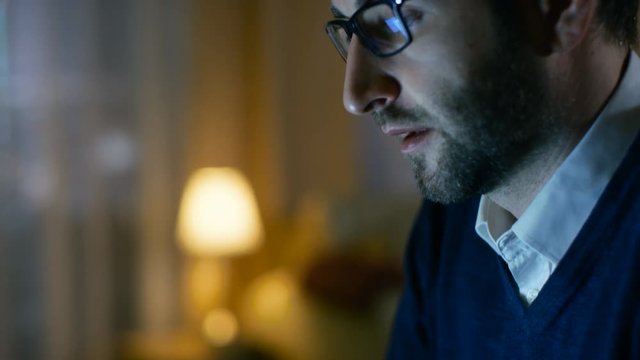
558,212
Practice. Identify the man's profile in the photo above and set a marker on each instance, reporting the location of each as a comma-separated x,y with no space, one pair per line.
520,120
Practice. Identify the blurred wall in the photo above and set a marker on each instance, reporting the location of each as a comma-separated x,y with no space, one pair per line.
90,157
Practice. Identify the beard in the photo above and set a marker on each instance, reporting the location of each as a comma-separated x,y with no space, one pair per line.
489,129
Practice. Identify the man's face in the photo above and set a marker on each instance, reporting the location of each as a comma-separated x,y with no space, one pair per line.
468,101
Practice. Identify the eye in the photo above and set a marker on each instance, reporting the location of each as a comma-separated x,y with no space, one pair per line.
412,16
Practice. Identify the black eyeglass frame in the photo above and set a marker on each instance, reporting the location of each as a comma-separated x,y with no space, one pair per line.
351,27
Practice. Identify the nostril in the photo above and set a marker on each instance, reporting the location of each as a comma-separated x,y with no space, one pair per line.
371,100
374,91
368,108
377,104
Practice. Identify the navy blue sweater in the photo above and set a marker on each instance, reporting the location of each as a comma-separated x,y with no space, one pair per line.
460,302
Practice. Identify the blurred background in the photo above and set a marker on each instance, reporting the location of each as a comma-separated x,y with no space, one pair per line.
109,111
115,115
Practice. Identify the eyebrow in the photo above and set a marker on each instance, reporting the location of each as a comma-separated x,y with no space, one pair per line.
337,13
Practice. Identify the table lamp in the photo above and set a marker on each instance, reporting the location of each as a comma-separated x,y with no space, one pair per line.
218,219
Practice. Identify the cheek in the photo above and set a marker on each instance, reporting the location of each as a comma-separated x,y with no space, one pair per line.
438,60
430,79
446,53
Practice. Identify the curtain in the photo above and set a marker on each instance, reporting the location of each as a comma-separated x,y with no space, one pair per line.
91,100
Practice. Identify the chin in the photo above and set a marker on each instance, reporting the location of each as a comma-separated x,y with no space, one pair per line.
452,177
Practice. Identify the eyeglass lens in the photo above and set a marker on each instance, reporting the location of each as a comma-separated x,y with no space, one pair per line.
340,38
382,30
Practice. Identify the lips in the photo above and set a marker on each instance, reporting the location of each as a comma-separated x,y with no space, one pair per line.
411,138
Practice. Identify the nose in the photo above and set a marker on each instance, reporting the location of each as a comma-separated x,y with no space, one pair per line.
367,87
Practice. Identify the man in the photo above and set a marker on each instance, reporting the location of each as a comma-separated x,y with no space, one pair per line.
522,117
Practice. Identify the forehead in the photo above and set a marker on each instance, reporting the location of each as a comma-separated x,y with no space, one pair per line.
346,7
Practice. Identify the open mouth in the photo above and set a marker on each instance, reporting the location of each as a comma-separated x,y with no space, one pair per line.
414,140
411,137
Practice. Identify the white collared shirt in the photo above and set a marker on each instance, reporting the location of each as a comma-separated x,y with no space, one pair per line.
533,245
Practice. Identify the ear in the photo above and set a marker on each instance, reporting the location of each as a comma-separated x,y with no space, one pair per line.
568,22
555,26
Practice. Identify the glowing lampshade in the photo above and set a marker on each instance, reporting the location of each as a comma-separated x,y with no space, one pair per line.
219,215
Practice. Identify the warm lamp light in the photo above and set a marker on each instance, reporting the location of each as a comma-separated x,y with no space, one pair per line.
270,298
219,215
220,327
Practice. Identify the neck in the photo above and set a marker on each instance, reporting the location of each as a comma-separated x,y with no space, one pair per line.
586,79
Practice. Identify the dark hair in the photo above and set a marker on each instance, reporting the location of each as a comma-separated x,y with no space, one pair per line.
619,19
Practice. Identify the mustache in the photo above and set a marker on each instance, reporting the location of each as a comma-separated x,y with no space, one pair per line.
394,114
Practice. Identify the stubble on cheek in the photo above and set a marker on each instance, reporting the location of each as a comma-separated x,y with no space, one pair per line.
492,126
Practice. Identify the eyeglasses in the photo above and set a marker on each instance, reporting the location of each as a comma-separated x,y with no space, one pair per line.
379,25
